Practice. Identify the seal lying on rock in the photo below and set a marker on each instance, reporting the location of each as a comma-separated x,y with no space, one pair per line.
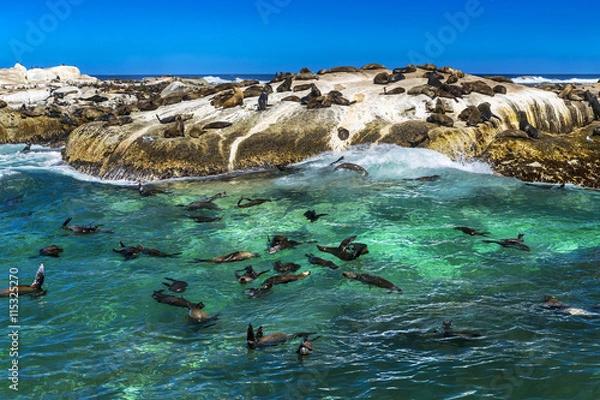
373,280
258,340
525,126
515,243
347,250
33,290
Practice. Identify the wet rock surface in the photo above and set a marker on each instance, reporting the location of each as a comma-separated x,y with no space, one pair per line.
167,127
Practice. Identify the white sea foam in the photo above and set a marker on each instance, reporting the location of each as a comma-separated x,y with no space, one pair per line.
41,159
534,80
392,161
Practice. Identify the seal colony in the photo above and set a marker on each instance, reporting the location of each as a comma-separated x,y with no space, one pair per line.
335,108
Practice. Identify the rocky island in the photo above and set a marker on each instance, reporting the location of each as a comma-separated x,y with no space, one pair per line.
170,127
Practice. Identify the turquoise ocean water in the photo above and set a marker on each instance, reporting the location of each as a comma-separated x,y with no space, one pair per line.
98,333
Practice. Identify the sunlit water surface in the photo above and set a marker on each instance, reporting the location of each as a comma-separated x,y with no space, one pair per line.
98,333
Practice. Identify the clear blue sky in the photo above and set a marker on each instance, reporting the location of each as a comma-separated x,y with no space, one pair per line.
266,36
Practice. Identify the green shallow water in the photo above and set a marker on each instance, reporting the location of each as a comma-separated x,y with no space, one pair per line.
99,334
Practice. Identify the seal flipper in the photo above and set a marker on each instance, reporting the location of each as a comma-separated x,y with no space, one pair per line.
39,278
64,225
250,338
346,242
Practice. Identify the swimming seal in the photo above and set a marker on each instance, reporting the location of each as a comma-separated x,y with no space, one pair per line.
51,251
249,274
204,218
449,333
129,252
206,203
258,340
287,278
352,167
470,231
347,250
175,285
27,147
552,303
373,280
305,347
281,243
515,243
312,216
250,202
319,261
146,192
171,300
80,229
33,290
285,268
231,257
525,126
260,291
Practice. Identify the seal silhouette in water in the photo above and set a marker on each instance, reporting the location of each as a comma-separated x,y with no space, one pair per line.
259,340
285,268
515,243
448,332
305,347
27,147
347,250
204,218
373,280
312,216
352,167
175,285
552,303
231,257
281,243
81,229
260,291
146,192
206,203
51,251
322,262
286,278
470,231
171,300
249,274
33,290
250,202
129,252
